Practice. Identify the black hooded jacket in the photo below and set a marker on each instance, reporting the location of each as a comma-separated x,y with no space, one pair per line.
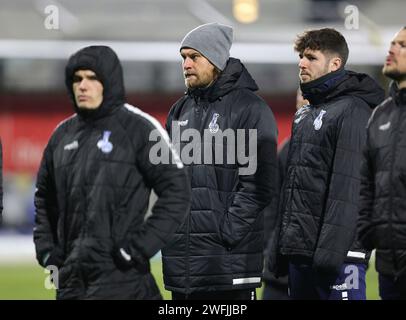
382,219
1,181
220,246
93,190
320,195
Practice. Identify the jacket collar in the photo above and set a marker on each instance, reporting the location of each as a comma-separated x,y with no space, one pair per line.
317,90
398,94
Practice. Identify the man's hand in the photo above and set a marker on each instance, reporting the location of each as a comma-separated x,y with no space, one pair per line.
126,260
54,258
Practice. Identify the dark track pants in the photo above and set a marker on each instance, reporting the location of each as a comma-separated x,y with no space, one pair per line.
389,289
306,284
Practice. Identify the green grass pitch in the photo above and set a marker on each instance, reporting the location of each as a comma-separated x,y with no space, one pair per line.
27,282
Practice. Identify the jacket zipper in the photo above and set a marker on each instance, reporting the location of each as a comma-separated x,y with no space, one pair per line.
198,116
395,262
83,174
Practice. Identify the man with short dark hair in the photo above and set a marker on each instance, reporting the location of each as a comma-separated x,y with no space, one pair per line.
319,200
93,189
382,216
218,252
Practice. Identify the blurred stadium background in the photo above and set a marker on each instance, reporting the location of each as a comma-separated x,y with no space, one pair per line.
37,37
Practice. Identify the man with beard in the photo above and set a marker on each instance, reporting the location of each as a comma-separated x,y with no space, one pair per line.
319,200
382,220
218,252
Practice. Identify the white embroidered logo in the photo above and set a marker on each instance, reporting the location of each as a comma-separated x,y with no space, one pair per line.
104,144
385,126
183,123
213,125
71,146
339,287
318,122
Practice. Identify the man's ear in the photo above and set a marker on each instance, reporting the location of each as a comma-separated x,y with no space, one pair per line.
335,64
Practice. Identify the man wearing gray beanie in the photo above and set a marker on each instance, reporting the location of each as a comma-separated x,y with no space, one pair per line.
218,251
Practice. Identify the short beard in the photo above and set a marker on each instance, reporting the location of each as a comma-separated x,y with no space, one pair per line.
394,75
216,74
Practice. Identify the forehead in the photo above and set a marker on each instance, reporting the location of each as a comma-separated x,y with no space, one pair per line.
316,53
189,51
85,72
400,36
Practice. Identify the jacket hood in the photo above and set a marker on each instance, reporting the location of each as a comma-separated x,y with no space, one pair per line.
234,76
104,62
341,83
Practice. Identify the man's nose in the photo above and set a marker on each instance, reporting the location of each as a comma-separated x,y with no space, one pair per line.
392,49
187,63
82,84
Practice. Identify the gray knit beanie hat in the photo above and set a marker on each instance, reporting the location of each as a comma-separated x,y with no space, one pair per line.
213,40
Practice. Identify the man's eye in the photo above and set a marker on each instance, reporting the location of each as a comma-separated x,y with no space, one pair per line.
93,77
77,79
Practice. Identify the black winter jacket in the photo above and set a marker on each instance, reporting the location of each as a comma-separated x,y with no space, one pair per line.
382,218
220,246
93,189
1,181
320,196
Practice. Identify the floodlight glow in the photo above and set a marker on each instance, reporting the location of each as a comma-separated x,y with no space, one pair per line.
245,11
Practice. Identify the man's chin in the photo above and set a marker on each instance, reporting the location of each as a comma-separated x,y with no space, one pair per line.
392,74
191,84
305,78
87,107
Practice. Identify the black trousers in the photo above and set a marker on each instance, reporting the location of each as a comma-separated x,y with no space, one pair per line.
248,294
275,290
391,289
